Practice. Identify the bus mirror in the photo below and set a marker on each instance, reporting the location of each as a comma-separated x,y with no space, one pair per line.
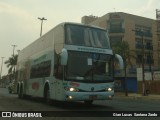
64,57
120,61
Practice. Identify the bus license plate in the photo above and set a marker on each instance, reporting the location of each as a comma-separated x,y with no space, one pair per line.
93,97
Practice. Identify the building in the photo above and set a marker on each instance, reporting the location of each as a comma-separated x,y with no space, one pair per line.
158,32
137,31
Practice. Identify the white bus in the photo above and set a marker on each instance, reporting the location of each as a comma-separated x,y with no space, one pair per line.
72,62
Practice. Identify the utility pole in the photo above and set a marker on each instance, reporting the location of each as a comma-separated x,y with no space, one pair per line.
1,67
143,75
13,58
41,24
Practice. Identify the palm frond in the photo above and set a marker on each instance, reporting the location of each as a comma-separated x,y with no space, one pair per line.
11,63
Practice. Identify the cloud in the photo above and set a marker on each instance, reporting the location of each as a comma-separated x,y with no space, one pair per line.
8,8
150,4
17,27
147,9
16,22
17,15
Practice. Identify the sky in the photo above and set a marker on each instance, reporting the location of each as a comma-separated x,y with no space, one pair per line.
19,24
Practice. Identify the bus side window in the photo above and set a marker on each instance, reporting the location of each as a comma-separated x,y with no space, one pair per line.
60,72
58,69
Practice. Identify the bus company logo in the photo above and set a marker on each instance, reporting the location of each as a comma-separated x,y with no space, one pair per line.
35,85
6,114
92,88
91,49
75,84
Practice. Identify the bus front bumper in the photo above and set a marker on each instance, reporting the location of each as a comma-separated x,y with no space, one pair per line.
82,96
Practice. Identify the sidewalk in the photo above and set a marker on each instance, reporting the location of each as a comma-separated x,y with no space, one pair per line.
137,96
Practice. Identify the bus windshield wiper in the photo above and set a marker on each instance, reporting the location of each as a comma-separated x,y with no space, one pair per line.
88,73
78,76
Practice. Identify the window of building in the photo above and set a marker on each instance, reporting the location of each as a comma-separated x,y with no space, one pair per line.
149,58
114,40
138,43
149,46
158,37
143,31
116,26
139,58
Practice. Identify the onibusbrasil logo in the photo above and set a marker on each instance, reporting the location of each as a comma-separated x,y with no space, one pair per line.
21,114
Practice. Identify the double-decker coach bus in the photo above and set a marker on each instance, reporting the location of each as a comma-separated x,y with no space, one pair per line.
72,62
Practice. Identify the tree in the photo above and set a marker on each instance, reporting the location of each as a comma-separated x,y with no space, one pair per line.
11,64
122,48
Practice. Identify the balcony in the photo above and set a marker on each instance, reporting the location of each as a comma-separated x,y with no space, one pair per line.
145,34
149,61
146,61
147,47
139,46
116,30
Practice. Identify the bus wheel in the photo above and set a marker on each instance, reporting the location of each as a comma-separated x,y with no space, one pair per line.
88,102
20,93
47,98
9,89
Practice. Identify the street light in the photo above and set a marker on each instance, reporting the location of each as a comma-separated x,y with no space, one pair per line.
1,67
41,24
13,49
18,51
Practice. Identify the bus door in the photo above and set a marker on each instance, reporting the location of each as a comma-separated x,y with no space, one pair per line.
58,82
60,61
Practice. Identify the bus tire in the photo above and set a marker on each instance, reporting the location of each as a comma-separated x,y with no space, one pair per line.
17,89
47,98
10,91
88,102
20,93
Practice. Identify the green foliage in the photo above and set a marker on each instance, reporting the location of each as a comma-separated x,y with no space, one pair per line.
123,49
11,63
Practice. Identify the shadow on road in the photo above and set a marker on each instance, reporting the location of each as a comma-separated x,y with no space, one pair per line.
71,105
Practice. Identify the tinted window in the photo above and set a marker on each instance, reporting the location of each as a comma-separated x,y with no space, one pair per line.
42,69
89,66
86,36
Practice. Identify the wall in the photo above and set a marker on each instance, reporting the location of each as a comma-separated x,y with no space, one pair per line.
152,86
131,84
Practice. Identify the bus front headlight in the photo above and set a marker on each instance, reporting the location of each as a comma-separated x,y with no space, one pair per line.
71,89
109,89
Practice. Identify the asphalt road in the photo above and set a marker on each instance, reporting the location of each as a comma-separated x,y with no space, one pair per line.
77,111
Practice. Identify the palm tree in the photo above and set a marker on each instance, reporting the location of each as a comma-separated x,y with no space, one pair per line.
122,48
11,64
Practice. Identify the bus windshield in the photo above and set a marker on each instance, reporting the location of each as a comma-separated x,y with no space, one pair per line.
86,36
92,67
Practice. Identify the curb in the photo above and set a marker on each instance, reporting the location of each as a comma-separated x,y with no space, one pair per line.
137,96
